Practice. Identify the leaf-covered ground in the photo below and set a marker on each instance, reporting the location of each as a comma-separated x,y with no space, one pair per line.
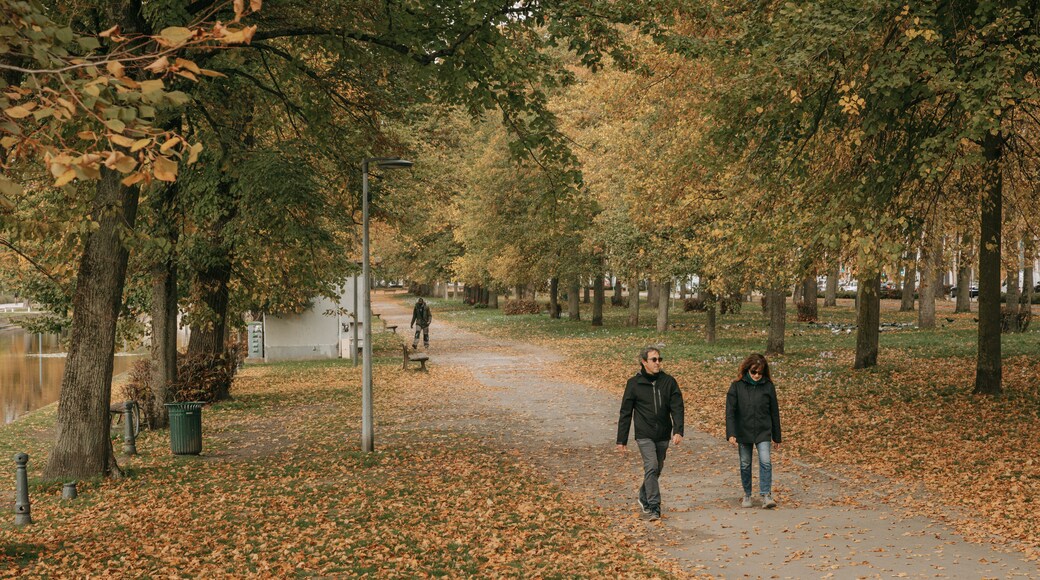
910,422
282,491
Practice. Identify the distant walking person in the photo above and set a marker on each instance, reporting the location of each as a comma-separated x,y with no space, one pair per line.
421,314
753,420
653,398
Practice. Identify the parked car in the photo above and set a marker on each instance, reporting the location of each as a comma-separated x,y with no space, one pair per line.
973,292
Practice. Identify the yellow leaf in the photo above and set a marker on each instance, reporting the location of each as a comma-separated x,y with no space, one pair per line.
193,153
116,69
164,169
121,140
158,65
135,178
175,35
187,74
121,163
140,144
18,112
255,5
115,125
169,144
110,32
64,178
187,65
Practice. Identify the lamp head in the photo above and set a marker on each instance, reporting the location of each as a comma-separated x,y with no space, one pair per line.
394,164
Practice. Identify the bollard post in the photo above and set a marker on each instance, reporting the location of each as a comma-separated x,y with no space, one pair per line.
68,491
22,512
129,442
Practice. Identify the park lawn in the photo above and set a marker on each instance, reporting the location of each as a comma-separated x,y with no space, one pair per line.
910,421
282,490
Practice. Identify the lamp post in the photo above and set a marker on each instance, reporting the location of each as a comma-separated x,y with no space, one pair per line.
367,443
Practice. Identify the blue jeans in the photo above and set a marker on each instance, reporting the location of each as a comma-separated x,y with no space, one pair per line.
653,454
765,467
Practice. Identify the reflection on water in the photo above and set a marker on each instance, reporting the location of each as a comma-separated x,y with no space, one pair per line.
28,380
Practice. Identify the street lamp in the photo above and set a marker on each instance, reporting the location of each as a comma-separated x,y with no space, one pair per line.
367,444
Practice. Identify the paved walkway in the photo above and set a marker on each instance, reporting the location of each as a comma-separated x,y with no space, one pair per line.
822,528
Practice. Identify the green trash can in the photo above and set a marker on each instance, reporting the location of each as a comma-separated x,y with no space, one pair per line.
185,428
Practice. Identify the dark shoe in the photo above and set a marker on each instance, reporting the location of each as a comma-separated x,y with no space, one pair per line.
655,514
643,506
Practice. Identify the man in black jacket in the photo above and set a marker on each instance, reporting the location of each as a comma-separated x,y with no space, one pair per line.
653,398
421,314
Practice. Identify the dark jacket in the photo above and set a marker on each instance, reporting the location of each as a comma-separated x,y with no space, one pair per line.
421,314
657,407
752,412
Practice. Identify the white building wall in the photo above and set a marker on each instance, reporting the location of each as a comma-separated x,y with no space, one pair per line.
313,334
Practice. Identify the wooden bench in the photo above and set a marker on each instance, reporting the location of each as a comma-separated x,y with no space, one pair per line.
419,357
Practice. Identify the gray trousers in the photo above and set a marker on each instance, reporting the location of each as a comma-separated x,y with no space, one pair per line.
425,330
653,453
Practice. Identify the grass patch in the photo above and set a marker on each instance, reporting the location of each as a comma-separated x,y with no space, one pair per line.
282,490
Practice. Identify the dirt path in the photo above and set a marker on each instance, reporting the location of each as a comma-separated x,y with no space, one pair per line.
824,526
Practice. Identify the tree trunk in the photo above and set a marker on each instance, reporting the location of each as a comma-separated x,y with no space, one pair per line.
830,294
931,258
777,304
618,292
519,292
988,372
164,313
868,321
493,298
83,449
664,290
212,286
810,297
909,282
711,323
554,297
586,291
633,301
682,290
651,293
1029,254
1013,295
574,299
597,300
964,275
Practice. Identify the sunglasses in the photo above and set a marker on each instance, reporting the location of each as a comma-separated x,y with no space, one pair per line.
750,372
656,359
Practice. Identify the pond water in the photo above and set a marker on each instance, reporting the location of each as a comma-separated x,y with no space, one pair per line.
31,366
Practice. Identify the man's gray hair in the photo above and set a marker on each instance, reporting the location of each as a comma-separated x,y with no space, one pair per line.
645,353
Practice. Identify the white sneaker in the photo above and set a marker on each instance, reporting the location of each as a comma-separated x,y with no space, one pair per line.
767,502
746,502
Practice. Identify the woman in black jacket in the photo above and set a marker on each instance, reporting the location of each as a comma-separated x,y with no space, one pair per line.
753,420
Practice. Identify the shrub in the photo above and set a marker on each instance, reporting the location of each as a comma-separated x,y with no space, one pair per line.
1006,316
731,304
806,312
620,302
139,388
207,377
694,304
511,307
